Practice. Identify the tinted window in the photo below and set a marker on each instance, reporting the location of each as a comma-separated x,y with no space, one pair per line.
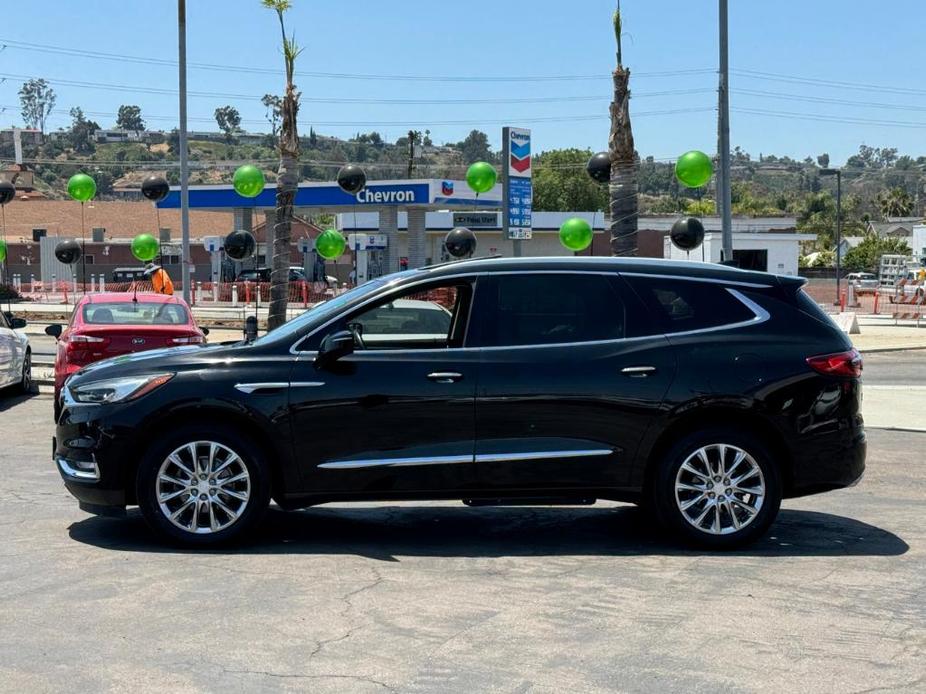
131,313
544,309
418,319
682,305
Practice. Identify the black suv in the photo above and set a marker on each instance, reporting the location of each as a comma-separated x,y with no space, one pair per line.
704,393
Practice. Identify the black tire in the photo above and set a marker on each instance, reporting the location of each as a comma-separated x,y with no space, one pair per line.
25,381
667,501
252,459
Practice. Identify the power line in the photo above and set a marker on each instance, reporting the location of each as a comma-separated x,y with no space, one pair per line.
99,55
835,84
826,100
831,119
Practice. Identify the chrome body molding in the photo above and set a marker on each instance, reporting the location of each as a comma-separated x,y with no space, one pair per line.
250,388
541,455
397,462
464,459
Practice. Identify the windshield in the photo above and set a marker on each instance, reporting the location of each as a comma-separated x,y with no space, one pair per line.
132,313
328,309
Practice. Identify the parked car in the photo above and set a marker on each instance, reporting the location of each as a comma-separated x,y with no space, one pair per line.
111,324
15,353
864,281
262,274
705,393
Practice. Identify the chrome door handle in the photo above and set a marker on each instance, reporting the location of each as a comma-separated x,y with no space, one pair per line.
445,377
638,371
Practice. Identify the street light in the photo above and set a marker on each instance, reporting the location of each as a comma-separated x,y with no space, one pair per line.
838,174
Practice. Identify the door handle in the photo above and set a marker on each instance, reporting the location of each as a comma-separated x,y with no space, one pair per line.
445,377
638,371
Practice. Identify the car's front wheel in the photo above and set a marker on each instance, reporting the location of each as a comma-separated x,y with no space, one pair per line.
25,379
718,489
203,486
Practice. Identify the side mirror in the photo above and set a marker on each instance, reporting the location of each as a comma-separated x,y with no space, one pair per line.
17,323
54,330
205,331
334,347
250,328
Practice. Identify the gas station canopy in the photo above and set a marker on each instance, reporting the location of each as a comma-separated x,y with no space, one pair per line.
426,194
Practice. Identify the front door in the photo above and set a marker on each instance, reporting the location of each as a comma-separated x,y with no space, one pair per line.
9,353
397,415
566,391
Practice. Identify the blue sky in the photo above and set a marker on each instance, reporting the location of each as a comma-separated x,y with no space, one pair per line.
670,45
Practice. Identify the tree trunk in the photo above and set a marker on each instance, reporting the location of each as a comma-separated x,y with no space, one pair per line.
287,185
623,185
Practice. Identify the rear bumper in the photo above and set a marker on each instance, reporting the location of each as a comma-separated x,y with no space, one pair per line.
826,462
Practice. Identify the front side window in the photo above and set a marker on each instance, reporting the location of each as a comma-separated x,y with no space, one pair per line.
552,308
680,305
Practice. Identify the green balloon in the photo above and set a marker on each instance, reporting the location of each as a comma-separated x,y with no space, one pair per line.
694,169
330,244
81,187
249,181
2,250
481,177
576,234
145,247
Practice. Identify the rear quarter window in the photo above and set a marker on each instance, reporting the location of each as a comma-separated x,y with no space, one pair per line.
680,305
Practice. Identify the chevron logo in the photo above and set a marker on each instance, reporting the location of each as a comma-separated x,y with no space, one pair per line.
521,165
446,188
520,151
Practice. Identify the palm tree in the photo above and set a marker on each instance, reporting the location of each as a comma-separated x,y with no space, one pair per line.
623,186
288,175
895,203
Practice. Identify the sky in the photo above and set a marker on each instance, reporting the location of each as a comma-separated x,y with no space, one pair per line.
808,76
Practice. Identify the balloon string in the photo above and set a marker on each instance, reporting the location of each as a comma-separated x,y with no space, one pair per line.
83,249
157,212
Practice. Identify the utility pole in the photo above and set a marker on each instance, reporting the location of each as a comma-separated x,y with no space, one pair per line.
723,180
184,163
413,136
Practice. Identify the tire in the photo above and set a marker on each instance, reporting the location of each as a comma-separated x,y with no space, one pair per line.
25,381
713,513
229,503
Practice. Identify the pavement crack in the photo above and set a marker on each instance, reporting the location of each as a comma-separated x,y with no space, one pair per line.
298,675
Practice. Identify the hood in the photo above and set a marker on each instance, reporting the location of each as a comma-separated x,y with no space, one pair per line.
156,360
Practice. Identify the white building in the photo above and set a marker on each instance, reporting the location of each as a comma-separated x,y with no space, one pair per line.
769,252
917,243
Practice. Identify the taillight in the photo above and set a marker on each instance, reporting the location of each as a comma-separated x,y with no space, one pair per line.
79,347
845,364
190,340
85,338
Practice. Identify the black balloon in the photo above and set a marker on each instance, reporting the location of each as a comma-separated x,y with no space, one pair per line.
7,192
155,188
68,252
460,242
352,179
599,167
240,245
687,234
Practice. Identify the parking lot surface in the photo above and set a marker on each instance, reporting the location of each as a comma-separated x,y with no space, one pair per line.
439,597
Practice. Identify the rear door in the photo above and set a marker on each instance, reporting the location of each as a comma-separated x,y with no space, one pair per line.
569,381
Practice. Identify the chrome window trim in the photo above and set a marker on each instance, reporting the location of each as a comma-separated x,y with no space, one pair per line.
708,280
249,388
540,455
761,315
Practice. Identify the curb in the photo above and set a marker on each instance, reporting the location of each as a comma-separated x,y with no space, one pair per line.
909,430
878,350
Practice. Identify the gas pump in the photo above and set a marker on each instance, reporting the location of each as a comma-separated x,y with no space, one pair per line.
366,248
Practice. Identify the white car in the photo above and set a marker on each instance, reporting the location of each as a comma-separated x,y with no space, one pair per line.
864,280
15,353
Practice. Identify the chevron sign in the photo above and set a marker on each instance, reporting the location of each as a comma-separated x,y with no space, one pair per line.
520,160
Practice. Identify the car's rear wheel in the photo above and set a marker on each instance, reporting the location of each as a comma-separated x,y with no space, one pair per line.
717,488
203,486
25,380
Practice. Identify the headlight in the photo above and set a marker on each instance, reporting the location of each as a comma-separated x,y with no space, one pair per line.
118,389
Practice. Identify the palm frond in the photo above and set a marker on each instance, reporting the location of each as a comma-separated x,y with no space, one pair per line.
618,28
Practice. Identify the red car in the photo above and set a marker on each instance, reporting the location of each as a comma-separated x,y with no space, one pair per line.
109,324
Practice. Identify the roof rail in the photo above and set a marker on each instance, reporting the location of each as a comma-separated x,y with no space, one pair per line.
461,260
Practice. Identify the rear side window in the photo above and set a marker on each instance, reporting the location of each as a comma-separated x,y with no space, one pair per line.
683,305
547,309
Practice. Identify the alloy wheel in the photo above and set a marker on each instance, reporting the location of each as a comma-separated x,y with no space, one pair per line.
203,487
26,383
720,489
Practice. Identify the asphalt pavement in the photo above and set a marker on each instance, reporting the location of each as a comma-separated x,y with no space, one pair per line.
438,597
